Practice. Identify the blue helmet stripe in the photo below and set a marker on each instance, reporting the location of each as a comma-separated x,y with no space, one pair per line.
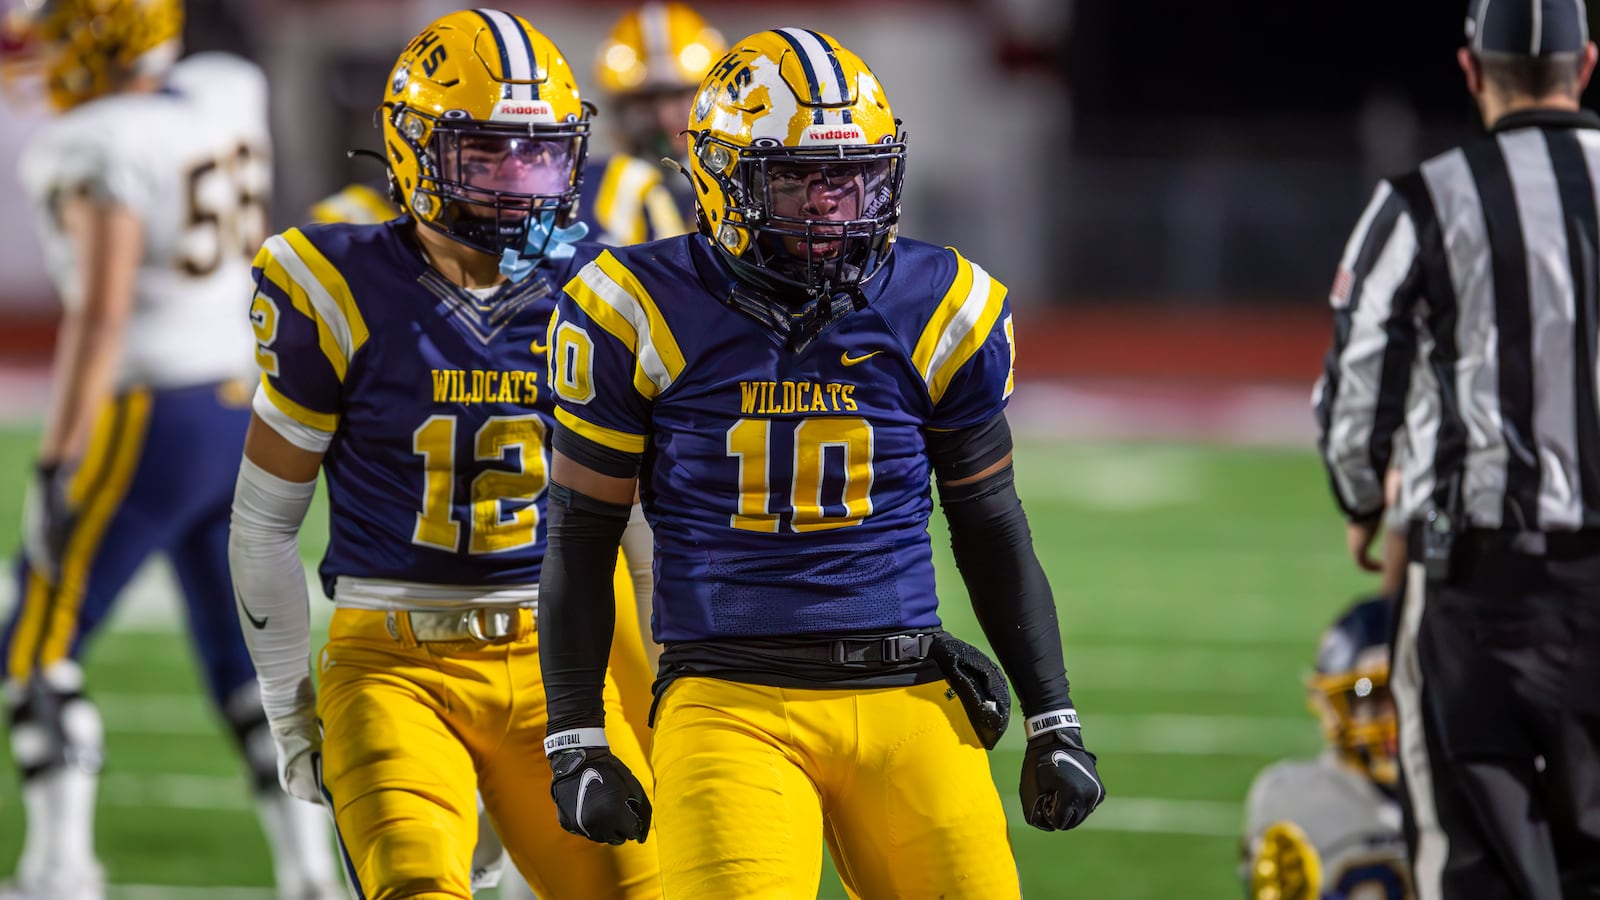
811,73
838,72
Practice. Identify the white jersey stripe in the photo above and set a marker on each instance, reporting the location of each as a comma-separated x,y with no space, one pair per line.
629,307
1351,423
322,302
962,323
1550,293
1466,240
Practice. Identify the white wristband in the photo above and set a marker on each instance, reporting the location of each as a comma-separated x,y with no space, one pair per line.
1054,720
577,737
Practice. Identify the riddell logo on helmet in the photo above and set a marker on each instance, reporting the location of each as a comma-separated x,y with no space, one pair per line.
833,134
523,111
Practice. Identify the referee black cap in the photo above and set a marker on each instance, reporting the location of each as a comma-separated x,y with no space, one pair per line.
1527,27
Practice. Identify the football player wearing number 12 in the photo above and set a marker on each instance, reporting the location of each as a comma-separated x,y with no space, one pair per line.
149,193
405,360
782,385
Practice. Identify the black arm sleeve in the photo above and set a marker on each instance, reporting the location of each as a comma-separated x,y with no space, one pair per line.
1010,593
577,608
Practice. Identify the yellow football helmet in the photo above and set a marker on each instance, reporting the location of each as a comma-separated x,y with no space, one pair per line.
1349,691
484,128
89,48
657,47
649,67
797,163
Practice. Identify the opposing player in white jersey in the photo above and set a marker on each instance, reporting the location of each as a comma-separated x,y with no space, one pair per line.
149,193
1329,828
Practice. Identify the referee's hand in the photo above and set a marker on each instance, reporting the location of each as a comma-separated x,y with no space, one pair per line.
1358,536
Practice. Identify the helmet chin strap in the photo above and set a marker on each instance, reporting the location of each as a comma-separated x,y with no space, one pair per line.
546,240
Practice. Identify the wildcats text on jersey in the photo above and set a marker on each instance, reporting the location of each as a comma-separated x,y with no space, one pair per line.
485,386
764,398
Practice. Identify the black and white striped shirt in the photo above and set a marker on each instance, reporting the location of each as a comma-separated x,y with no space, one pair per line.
1466,315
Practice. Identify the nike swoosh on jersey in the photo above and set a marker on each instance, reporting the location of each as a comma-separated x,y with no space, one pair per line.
849,360
590,776
258,623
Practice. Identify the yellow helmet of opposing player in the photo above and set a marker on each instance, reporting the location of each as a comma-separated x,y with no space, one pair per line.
797,162
89,48
484,129
657,47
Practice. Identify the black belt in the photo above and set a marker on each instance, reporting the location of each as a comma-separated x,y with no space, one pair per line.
1548,544
893,648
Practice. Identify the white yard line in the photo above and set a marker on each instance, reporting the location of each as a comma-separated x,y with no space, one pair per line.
1153,815
216,793
174,892
1148,734
1148,815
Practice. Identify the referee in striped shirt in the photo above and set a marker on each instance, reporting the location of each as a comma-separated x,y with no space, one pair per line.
1466,311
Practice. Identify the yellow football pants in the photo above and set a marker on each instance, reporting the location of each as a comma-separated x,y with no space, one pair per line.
749,778
410,730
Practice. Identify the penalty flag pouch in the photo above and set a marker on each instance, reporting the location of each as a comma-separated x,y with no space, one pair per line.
978,682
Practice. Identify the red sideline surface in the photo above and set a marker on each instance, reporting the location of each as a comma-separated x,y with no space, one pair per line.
1228,344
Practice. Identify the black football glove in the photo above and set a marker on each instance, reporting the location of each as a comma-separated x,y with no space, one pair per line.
1060,786
47,519
596,796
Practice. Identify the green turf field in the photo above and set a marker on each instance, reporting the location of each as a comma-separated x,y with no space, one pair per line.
1192,584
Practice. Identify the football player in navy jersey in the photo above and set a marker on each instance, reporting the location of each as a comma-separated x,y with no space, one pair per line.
781,387
148,192
648,68
405,361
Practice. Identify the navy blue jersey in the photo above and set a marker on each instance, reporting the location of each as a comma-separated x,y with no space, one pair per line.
789,492
626,200
434,398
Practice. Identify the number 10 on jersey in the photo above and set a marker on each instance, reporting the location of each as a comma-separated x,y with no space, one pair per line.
829,474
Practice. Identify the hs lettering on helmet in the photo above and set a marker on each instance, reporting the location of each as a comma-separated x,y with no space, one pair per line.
434,60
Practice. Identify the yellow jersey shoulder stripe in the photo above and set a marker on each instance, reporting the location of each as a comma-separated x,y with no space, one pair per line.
298,269
310,418
605,437
960,323
610,295
355,203
619,203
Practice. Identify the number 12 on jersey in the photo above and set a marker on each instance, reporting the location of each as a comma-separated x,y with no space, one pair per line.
518,440
829,474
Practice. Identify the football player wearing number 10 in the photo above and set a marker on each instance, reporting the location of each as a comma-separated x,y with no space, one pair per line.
781,386
405,361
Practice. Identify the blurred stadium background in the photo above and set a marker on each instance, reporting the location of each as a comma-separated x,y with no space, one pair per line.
1166,188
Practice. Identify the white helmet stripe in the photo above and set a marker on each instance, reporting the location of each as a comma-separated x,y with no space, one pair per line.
514,51
831,91
657,40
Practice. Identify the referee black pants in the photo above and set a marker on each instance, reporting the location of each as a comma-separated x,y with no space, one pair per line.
1496,680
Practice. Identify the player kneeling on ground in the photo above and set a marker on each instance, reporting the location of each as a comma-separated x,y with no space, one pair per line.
1329,828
